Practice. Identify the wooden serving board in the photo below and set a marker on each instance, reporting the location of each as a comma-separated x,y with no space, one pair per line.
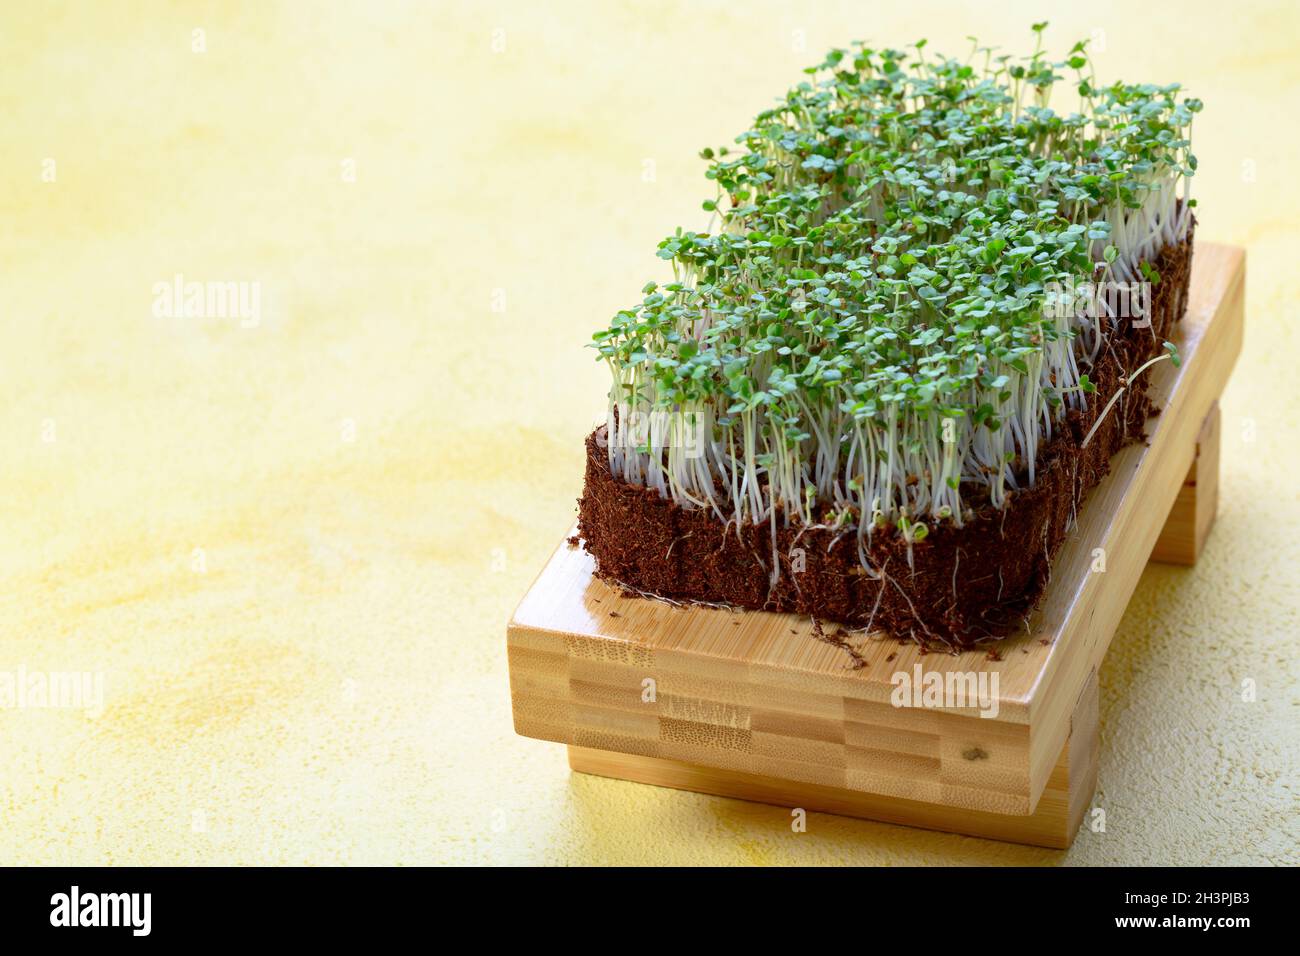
754,705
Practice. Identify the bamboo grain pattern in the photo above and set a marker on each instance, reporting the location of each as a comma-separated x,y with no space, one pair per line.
757,693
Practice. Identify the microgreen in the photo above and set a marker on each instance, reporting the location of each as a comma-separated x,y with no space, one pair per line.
864,331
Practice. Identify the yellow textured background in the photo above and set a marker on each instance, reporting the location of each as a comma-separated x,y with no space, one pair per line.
333,689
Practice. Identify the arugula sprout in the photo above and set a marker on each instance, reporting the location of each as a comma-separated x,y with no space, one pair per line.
865,332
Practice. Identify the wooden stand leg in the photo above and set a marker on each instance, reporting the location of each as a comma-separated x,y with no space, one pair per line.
1192,515
1054,823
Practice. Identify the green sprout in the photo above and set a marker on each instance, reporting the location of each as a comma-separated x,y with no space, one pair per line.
865,330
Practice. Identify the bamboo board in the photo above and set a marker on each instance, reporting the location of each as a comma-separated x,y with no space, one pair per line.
722,697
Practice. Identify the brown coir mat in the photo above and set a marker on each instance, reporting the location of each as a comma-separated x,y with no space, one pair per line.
963,584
